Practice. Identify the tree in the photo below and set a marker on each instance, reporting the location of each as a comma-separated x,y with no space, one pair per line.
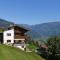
53,44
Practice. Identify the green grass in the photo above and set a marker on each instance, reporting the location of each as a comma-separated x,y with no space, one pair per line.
32,47
11,53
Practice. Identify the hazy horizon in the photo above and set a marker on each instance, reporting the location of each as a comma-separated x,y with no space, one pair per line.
34,24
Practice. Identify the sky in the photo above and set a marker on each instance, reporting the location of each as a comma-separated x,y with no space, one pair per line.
30,11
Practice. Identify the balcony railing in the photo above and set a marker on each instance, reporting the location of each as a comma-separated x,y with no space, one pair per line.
19,37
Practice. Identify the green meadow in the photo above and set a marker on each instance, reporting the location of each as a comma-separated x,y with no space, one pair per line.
11,53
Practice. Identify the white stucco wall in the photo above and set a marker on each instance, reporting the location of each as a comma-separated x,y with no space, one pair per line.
6,37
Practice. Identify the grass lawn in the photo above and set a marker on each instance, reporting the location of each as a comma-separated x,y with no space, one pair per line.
32,47
10,53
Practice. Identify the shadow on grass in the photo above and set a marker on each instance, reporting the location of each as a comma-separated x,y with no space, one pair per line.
50,57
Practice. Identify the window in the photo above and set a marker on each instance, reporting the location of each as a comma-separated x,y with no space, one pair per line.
8,40
8,34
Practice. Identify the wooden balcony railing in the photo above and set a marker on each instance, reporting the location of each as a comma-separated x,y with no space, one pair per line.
19,37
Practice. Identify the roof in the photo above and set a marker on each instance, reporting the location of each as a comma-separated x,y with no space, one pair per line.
19,27
44,46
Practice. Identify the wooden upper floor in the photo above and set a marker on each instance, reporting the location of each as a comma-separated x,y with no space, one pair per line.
19,32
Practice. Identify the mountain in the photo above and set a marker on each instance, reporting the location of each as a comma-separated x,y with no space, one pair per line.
43,31
4,24
38,31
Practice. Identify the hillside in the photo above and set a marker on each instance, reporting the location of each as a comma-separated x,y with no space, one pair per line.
4,24
45,30
11,53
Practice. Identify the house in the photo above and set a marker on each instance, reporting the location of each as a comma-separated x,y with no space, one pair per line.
15,35
42,50
44,46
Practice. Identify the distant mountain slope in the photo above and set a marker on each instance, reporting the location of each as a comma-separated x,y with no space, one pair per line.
5,24
45,30
39,31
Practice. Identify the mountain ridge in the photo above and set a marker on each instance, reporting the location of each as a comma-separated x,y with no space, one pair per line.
38,31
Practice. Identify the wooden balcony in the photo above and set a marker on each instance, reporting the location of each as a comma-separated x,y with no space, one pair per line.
19,37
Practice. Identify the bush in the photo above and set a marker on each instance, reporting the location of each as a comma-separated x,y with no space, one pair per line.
53,46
